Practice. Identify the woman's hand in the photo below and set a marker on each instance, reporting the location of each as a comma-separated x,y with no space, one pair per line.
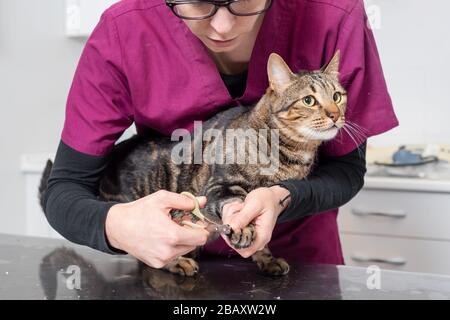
262,206
145,230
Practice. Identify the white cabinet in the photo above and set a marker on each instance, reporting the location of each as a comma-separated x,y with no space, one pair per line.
399,224
397,253
83,15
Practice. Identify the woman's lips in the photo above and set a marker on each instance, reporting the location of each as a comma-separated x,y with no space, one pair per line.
221,43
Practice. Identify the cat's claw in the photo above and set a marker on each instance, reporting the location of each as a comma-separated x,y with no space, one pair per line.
243,238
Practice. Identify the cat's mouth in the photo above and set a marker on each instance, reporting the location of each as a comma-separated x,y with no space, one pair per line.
330,133
313,134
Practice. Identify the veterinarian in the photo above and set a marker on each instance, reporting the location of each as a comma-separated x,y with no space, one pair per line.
163,65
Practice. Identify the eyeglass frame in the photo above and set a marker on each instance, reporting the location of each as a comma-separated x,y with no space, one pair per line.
217,4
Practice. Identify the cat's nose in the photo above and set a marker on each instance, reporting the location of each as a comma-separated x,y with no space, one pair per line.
333,115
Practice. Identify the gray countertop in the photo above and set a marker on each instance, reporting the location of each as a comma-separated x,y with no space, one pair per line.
37,268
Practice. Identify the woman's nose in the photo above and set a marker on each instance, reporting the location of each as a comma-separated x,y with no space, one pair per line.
223,21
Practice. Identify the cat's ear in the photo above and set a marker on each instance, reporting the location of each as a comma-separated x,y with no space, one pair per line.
332,69
280,76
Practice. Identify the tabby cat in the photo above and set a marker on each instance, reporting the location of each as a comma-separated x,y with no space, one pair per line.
304,110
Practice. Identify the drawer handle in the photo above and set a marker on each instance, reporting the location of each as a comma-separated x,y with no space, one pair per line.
389,214
394,261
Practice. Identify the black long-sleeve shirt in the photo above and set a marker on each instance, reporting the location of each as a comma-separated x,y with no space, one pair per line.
72,209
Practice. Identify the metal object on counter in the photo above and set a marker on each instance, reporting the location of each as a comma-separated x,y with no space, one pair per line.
403,157
409,161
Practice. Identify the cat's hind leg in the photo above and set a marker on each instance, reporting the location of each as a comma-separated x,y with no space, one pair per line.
183,266
270,265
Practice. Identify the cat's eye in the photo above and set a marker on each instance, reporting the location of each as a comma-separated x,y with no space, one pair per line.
337,97
309,101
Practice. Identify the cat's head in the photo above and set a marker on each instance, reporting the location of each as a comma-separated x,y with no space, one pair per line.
310,104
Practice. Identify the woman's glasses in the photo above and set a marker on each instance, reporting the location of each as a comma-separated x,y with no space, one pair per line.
199,10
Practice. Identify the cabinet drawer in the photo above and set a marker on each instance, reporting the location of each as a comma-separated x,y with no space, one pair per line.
396,253
398,213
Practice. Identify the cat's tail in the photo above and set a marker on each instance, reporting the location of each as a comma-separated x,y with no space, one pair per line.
44,183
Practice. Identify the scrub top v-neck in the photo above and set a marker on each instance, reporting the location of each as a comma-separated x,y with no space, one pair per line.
235,83
142,65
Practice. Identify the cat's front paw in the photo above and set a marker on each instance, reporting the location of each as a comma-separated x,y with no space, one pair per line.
243,238
183,266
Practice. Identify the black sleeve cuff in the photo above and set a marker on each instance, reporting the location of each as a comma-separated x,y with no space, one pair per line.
103,243
299,192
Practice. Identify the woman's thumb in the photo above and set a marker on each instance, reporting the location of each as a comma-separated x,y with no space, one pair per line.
243,218
202,201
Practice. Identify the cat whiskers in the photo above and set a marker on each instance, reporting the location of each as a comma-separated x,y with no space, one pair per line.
357,126
359,131
354,131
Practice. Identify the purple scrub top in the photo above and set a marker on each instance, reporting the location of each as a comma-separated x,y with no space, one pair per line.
142,65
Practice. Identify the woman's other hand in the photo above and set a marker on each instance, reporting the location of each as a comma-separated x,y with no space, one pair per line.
262,207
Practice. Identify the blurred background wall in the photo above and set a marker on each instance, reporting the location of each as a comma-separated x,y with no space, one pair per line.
37,62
